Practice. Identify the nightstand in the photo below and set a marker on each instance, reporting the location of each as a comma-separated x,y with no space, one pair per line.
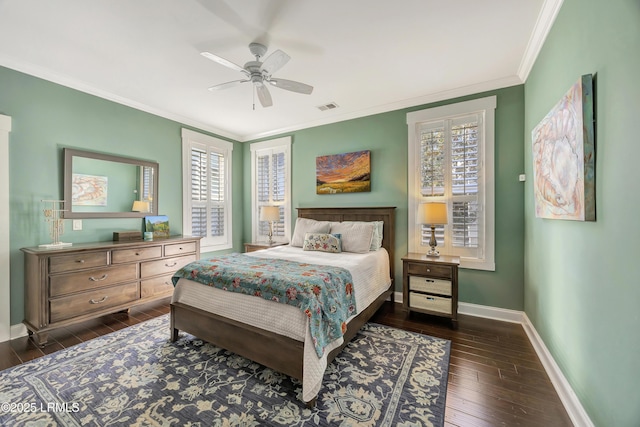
430,285
256,246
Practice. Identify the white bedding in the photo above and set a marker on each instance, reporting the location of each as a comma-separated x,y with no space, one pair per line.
370,273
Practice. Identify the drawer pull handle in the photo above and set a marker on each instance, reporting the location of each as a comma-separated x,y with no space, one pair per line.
93,279
430,280
172,265
81,261
428,270
137,253
168,283
104,298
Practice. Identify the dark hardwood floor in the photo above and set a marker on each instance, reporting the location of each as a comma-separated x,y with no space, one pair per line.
495,376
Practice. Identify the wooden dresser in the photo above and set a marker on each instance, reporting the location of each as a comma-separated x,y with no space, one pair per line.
75,283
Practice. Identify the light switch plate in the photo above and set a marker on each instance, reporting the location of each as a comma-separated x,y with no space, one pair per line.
77,224
522,177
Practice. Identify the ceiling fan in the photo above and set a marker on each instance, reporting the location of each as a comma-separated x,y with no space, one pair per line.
260,73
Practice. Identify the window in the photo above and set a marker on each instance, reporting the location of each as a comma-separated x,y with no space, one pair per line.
206,166
271,186
451,160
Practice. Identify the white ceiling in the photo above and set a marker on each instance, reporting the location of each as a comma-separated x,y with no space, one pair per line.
368,56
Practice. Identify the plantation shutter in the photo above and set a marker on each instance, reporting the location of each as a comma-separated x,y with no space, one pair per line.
207,206
271,188
451,172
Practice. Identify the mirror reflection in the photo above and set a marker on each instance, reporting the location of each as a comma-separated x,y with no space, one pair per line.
101,186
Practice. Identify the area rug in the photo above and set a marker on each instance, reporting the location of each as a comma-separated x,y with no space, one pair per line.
136,376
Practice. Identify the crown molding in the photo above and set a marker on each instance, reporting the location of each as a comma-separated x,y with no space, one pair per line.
546,18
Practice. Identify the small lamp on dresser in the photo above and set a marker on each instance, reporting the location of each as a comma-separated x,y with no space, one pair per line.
140,206
433,214
270,214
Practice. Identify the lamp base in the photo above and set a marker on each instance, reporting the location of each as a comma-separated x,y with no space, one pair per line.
433,253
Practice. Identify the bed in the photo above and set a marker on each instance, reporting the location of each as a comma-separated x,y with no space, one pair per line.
236,322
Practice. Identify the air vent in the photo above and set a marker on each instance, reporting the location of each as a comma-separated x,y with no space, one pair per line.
329,106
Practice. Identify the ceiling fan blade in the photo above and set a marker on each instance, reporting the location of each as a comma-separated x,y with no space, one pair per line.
264,96
220,60
275,61
292,86
227,85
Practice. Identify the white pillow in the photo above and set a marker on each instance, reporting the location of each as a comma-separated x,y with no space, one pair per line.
306,225
376,240
356,236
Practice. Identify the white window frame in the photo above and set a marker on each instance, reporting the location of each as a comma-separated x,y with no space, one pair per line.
190,140
268,147
485,107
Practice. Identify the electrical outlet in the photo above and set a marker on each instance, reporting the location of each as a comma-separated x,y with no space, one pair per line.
522,177
77,224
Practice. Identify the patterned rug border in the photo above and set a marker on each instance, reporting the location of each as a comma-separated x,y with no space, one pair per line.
346,398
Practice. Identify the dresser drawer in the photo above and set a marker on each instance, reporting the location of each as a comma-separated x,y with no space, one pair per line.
157,286
430,302
87,302
62,263
430,269
179,249
426,284
119,256
164,266
63,284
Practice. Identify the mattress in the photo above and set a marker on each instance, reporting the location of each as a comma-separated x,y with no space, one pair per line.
370,274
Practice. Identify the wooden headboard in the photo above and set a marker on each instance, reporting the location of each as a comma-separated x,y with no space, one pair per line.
385,214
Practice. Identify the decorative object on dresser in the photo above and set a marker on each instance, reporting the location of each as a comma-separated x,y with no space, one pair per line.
53,210
158,224
128,235
256,246
430,285
68,285
270,214
433,214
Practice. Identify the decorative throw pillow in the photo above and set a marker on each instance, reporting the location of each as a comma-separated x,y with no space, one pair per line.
306,225
356,235
322,242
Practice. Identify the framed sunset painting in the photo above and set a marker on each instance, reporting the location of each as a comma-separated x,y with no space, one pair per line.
343,173
563,145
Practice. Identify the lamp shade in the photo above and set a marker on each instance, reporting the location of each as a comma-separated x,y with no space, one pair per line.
140,206
270,213
433,213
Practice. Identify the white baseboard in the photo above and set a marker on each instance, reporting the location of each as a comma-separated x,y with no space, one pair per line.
19,331
571,403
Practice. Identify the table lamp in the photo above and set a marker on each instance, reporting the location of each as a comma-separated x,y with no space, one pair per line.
433,214
270,214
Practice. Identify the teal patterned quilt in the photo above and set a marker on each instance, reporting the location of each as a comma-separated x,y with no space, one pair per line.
323,293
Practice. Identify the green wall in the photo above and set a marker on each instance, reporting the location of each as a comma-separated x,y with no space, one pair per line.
47,117
581,278
386,136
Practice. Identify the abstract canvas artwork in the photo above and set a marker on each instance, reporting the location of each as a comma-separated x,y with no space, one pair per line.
564,157
343,173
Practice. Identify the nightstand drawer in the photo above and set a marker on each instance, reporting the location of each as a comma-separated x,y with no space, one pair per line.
426,284
430,269
430,302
